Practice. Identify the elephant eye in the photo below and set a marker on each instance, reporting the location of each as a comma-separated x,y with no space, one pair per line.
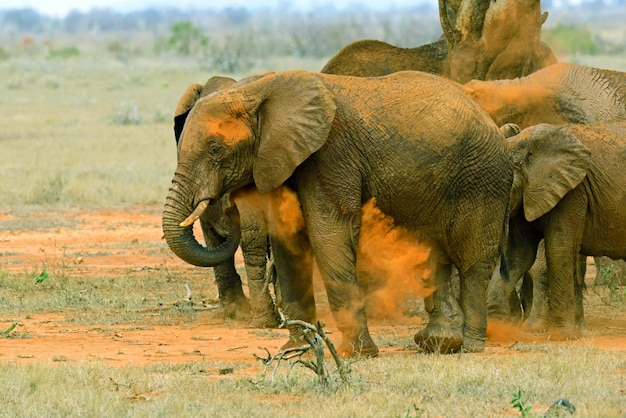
214,149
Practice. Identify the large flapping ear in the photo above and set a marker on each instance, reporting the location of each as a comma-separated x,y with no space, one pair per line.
185,103
191,95
294,112
554,161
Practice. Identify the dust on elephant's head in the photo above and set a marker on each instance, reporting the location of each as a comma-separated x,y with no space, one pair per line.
243,129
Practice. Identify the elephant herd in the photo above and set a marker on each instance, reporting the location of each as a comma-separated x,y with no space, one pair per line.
494,158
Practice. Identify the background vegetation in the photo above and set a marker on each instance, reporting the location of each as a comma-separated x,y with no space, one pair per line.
87,99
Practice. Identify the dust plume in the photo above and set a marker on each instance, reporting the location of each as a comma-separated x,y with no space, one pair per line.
392,266
279,208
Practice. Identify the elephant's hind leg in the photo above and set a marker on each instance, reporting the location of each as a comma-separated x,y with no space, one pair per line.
444,332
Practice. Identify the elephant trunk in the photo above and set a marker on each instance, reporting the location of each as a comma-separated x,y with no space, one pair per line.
181,239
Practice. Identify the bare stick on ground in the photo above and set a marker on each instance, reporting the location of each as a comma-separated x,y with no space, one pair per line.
316,337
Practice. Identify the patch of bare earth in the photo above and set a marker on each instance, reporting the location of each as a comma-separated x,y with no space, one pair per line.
111,242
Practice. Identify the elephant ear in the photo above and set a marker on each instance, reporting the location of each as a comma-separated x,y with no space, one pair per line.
191,95
295,112
185,103
554,161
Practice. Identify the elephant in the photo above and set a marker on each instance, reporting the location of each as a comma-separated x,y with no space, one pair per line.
558,94
569,190
481,40
561,93
254,235
338,142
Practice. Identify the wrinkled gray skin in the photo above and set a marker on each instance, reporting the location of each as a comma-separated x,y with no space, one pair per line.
338,142
569,190
481,40
216,227
562,93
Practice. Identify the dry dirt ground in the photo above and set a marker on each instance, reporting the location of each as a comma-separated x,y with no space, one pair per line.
132,239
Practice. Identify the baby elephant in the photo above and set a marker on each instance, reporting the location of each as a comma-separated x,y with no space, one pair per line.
570,190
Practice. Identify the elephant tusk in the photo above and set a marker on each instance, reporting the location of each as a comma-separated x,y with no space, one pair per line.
197,212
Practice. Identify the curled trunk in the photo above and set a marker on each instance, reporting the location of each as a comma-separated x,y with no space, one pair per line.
182,241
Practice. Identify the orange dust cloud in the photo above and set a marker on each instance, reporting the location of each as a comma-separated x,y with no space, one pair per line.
505,332
391,265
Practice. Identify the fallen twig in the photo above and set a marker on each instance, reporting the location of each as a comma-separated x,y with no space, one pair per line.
315,338
186,300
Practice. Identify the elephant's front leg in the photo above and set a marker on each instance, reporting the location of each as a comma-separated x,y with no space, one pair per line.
335,253
293,261
444,332
334,237
233,301
563,237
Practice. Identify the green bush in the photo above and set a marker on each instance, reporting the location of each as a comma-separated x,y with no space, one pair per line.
63,53
185,37
571,39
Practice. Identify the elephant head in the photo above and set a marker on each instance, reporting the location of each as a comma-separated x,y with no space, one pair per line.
255,132
550,161
489,40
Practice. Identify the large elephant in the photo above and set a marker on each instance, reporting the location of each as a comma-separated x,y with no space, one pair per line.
428,155
216,227
482,40
570,190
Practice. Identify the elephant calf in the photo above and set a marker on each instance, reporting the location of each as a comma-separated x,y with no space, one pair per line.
570,190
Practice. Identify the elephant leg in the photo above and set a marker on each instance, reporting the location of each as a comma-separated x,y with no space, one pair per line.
538,319
579,287
444,331
503,302
563,238
233,301
474,283
526,295
254,245
293,262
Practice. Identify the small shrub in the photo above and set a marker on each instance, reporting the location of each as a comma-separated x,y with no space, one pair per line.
63,53
127,114
48,190
571,39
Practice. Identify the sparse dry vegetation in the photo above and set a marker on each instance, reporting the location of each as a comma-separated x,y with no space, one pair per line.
86,118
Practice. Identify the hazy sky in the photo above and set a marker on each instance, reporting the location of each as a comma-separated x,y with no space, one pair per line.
62,7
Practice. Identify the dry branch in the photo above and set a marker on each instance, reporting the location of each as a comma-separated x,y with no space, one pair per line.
315,338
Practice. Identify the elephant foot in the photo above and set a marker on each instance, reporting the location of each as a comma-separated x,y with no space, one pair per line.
473,345
235,307
563,333
363,346
442,343
264,321
535,325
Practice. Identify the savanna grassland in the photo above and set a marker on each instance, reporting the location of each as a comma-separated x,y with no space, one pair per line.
94,319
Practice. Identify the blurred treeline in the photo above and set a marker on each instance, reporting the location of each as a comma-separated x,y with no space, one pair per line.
235,40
